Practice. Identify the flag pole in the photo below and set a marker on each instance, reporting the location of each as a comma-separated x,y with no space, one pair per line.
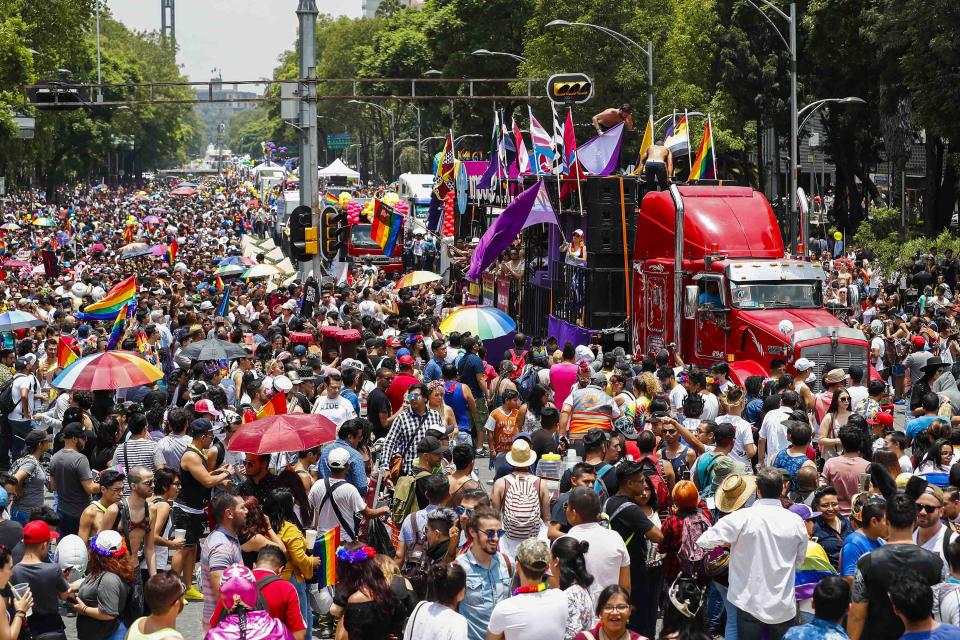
713,149
689,131
556,153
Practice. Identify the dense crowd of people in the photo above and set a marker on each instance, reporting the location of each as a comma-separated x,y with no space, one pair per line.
553,491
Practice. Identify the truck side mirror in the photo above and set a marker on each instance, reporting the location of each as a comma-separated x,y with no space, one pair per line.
691,294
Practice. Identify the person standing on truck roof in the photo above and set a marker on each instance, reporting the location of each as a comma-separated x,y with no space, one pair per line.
609,118
656,166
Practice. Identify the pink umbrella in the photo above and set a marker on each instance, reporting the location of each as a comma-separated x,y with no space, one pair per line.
158,250
184,191
152,220
97,247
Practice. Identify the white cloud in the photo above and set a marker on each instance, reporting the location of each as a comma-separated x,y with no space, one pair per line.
242,37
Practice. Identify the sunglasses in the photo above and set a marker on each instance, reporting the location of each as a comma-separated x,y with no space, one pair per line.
413,396
669,432
148,483
464,510
929,508
493,534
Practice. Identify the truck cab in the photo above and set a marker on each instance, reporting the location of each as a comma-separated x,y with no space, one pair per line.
360,247
720,288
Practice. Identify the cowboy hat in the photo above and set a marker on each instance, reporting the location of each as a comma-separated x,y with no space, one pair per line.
520,454
734,492
933,364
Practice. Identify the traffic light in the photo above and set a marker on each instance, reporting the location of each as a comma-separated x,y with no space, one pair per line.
300,220
333,227
54,95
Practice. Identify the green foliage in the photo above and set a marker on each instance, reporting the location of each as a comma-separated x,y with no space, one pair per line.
881,231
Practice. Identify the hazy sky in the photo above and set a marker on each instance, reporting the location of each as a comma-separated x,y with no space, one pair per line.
241,37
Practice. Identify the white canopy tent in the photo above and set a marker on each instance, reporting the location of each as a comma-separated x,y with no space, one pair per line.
338,169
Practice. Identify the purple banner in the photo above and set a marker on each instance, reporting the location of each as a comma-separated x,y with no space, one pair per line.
563,331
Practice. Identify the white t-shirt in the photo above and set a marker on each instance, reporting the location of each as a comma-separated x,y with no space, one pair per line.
878,344
532,616
905,465
857,395
677,394
605,557
742,437
775,433
711,406
338,409
348,502
19,384
433,621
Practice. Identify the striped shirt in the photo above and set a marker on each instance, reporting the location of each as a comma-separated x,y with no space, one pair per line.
136,452
219,551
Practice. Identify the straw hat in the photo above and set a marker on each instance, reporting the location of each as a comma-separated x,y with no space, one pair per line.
520,454
734,492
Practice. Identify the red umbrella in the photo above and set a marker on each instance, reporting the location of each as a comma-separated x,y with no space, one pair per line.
286,432
184,191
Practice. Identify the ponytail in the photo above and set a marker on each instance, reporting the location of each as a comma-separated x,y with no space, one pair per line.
571,555
446,581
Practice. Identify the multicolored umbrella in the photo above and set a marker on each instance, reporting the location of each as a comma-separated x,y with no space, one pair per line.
416,278
285,432
44,222
184,191
107,371
10,226
261,271
12,320
231,270
241,260
484,322
134,250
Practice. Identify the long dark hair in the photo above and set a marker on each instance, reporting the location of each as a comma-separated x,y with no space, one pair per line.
279,508
570,554
446,583
933,452
674,621
254,523
834,407
652,501
537,399
366,576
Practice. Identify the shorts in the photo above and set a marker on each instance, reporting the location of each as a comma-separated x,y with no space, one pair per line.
480,415
192,523
899,370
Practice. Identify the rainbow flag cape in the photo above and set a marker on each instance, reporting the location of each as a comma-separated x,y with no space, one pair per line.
276,407
815,568
119,327
705,165
172,250
331,199
325,548
68,350
108,307
141,342
386,226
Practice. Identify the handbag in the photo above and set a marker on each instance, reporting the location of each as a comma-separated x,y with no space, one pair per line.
380,538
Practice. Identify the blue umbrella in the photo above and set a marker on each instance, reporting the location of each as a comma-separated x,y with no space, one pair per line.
10,320
185,184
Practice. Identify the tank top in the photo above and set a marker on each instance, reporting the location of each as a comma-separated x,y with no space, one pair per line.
193,495
161,553
136,634
453,397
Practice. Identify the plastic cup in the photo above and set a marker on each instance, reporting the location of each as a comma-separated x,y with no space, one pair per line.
311,535
19,590
179,534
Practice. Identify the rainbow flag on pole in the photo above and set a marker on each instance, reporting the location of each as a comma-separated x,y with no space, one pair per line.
119,328
386,226
109,306
325,548
172,250
331,199
705,165
68,350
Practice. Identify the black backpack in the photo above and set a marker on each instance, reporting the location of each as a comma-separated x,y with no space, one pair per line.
261,604
7,404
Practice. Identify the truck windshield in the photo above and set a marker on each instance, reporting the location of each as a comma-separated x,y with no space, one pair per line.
775,295
360,237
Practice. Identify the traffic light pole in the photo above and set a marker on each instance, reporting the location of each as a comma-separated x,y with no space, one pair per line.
309,189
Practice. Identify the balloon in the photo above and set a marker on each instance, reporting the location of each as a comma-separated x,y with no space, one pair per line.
391,199
345,197
837,235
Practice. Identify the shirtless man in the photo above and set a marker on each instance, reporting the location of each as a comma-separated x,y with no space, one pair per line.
131,518
92,518
657,166
609,118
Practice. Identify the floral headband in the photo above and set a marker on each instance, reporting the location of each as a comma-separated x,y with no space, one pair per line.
111,551
365,552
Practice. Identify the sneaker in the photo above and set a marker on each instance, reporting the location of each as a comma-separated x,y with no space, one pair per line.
192,594
900,402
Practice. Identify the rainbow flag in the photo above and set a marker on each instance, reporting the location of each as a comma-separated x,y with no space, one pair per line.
705,165
108,307
128,234
68,350
386,226
224,307
325,548
172,250
331,199
815,568
141,341
119,328
219,283
276,407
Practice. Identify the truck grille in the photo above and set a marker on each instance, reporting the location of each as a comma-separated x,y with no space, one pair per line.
842,357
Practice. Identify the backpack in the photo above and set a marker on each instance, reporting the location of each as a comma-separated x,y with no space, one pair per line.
652,470
519,362
7,405
261,604
418,565
527,382
521,506
405,496
691,558
599,486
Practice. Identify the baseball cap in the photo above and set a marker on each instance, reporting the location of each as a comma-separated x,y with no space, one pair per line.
76,430
881,418
392,341
200,425
350,363
37,436
804,511
339,458
205,406
38,532
533,553
430,444
918,341
206,305
405,360
802,364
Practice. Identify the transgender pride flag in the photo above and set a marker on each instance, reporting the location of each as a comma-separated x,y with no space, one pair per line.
543,151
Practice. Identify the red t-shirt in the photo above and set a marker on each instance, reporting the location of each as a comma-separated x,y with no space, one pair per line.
283,603
398,389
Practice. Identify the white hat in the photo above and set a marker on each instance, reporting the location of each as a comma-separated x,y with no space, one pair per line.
206,305
339,458
289,304
802,364
520,454
583,352
71,553
282,384
350,363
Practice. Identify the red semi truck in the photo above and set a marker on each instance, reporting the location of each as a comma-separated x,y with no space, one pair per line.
709,275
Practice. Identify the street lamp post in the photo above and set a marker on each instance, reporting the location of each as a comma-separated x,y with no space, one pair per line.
99,76
393,134
504,54
466,135
629,44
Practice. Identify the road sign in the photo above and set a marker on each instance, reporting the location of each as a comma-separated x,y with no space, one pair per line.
570,88
339,140
289,102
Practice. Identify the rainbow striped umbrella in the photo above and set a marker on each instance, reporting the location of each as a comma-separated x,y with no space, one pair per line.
44,222
11,320
416,278
484,322
107,371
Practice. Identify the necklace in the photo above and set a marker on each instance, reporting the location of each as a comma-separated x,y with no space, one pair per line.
537,589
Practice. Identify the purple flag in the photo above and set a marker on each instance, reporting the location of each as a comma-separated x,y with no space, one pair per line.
599,155
529,208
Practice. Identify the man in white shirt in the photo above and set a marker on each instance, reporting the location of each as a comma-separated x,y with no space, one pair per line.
858,392
336,502
677,393
743,447
331,404
23,391
767,545
607,558
773,431
531,614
